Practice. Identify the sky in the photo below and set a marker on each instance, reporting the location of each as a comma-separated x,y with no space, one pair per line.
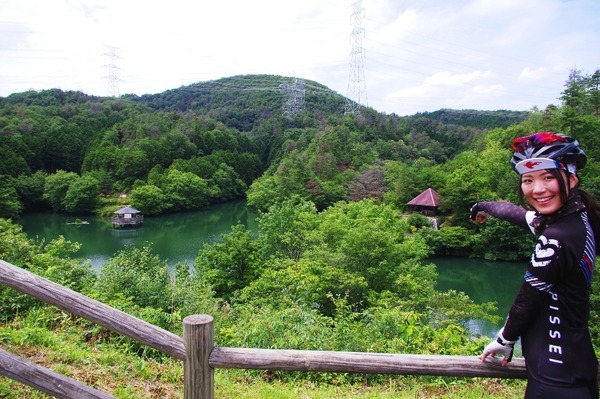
415,55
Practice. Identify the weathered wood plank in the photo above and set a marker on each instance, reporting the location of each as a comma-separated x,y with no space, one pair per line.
90,309
198,381
46,380
358,362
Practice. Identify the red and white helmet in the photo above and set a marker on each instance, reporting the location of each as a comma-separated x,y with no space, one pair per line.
546,150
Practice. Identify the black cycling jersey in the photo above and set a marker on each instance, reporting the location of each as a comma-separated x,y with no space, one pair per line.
551,311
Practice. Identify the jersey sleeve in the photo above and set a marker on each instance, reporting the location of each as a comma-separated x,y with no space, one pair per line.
506,211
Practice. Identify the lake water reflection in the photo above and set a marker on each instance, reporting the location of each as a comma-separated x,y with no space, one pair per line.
484,281
175,237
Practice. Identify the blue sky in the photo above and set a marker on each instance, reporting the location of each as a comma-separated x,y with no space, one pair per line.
420,55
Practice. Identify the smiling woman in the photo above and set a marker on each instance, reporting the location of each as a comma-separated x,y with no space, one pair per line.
551,311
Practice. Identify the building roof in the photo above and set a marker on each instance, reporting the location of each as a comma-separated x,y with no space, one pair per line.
427,198
126,210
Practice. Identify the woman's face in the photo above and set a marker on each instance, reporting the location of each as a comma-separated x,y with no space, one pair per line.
542,190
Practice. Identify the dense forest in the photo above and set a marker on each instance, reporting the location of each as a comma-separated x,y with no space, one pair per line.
207,143
338,263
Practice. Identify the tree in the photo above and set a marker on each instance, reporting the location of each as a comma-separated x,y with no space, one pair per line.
406,181
201,166
82,196
12,162
136,274
131,164
477,176
369,184
63,146
248,166
10,206
595,92
149,199
230,265
307,284
31,191
185,190
367,239
102,157
53,261
176,145
56,187
580,98
264,192
286,230
228,184
500,240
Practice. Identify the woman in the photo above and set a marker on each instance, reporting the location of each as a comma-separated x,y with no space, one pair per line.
551,311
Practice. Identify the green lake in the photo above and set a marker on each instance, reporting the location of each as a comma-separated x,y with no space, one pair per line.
175,237
178,238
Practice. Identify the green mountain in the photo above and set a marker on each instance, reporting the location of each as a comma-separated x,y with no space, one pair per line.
243,102
226,132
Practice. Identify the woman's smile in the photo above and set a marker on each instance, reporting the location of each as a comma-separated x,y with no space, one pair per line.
544,200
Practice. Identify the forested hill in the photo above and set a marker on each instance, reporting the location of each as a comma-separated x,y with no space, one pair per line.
245,101
217,136
475,118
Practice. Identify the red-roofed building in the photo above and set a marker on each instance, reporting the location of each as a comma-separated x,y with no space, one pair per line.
426,203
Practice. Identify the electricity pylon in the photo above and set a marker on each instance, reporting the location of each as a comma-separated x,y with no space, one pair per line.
294,97
357,85
113,81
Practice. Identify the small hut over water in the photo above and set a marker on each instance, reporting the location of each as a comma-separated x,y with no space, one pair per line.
127,217
426,203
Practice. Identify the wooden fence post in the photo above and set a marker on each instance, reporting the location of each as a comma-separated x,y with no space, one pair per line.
198,376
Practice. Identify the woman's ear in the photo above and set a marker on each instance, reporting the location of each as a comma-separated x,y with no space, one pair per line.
573,181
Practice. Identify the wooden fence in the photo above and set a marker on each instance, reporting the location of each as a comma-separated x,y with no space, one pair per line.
200,357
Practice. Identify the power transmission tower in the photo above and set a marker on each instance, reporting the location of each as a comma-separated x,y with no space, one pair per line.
357,85
294,97
113,80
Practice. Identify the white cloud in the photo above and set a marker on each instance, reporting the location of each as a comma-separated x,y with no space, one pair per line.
489,90
532,75
449,79
411,92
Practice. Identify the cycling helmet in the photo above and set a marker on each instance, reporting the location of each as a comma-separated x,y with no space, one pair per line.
546,150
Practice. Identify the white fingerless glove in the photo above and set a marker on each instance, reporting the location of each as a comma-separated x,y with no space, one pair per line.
500,346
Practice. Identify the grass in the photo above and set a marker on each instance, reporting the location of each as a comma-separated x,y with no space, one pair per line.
396,387
111,367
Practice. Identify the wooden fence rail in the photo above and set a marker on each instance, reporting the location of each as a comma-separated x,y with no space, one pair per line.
90,309
200,357
46,380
